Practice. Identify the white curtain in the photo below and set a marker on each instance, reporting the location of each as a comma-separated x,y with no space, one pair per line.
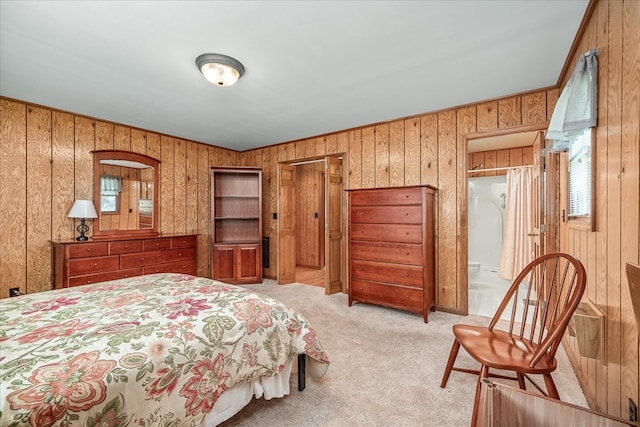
577,106
517,247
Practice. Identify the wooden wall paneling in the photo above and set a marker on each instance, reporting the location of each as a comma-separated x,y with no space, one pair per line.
465,124
515,157
477,159
268,174
614,120
368,158
203,198
122,138
534,108
300,150
13,154
412,151
527,155
552,98
355,159
396,154
630,193
167,197
180,187
290,150
601,170
153,145
487,113
490,162
62,165
138,141
191,187
104,135
343,143
382,155
502,160
321,147
84,144
429,149
509,112
447,210
331,142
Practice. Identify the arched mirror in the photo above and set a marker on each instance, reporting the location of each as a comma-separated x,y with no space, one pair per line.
125,192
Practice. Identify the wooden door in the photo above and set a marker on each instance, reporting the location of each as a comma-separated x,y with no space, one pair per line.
249,268
286,230
333,236
224,262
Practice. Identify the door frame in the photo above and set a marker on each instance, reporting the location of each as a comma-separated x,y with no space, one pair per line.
326,201
463,258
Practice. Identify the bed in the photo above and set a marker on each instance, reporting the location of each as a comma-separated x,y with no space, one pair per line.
156,350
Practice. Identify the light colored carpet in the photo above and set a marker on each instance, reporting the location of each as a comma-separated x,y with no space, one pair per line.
386,368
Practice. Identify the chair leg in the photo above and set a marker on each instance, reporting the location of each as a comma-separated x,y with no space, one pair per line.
521,382
484,373
452,358
551,386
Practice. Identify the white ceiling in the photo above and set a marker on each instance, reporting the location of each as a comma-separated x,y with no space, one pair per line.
312,67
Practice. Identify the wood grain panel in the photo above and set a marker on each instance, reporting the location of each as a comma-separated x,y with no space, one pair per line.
466,123
447,210
527,155
368,158
203,267
180,186
429,150
355,159
104,135
412,151
534,108
630,193
396,154
166,201
487,113
83,170
502,161
332,143
13,152
61,169
191,187
515,157
343,142
552,98
38,224
509,112
490,161
138,141
382,155
122,138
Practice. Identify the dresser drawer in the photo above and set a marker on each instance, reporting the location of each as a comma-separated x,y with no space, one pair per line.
386,196
103,277
172,255
83,250
141,259
409,275
395,296
405,233
78,267
387,215
400,253
125,247
185,267
183,242
154,244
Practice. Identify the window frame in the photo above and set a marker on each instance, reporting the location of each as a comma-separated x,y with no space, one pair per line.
583,222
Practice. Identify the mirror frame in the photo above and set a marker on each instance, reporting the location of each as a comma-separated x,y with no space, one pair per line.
99,155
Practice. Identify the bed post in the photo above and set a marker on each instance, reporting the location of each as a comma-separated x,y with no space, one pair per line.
301,362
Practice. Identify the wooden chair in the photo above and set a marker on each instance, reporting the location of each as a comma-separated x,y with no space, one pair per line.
542,298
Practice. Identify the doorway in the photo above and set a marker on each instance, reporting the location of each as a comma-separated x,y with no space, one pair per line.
310,240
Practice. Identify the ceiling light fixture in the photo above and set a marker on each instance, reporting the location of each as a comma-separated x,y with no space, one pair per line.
221,70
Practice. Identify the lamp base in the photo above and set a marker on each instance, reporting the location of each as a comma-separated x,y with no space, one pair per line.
82,228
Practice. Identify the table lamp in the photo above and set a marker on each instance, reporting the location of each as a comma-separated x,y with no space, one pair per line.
83,209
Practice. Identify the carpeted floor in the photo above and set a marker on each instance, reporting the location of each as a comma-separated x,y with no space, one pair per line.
386,368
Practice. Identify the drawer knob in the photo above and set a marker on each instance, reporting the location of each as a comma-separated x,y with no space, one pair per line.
157,243
88,282
88,249
141,258
179,253
95,264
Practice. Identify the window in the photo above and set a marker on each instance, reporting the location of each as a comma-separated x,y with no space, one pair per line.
110,189
580,176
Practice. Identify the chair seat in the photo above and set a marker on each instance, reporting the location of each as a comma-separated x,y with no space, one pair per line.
499,350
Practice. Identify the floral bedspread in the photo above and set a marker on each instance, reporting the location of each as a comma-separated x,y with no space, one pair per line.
154,350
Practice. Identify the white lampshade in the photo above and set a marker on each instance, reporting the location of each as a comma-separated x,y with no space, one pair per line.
221,70
83,209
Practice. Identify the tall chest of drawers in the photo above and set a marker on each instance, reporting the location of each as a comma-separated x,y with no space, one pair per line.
392,247
81,263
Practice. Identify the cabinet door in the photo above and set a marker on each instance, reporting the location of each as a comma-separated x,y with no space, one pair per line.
249,267
224,262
